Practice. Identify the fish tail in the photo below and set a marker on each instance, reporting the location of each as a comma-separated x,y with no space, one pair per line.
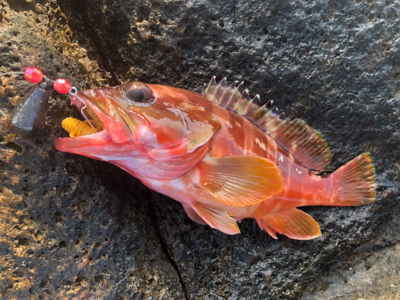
354,183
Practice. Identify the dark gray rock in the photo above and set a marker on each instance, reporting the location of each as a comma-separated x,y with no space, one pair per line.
374,277
334,64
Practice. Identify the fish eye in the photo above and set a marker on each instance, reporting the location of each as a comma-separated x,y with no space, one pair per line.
139,93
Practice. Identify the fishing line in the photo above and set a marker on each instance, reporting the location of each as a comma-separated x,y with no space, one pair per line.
12,73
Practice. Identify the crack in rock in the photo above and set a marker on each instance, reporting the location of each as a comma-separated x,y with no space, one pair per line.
167,253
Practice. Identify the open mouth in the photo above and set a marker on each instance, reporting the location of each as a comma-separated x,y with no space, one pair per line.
104,121
85,134
91,125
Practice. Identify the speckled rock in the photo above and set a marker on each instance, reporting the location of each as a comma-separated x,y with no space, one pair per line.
375,277
334,64
64,231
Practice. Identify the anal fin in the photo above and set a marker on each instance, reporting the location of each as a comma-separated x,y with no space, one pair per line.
217,218
293,223
193,215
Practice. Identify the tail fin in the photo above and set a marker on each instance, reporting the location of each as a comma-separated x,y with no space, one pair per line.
354,182
353,185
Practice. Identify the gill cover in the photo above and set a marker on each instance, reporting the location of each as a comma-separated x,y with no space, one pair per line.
179,126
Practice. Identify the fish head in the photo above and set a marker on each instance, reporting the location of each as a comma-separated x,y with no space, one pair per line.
140,120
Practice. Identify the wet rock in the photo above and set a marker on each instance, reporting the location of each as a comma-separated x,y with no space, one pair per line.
64,232
335,65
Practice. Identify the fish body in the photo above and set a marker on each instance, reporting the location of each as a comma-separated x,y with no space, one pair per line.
220,154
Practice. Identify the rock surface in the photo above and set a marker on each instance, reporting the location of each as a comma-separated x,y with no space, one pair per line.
376,277
65,232
79,228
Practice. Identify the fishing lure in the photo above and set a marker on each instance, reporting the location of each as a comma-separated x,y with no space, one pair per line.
77,127
30,113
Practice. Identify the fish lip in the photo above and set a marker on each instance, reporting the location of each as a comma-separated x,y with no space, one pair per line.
79,144
112,120
82,144
115,128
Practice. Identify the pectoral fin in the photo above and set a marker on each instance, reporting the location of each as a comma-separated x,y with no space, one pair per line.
240,180
294,223
217,218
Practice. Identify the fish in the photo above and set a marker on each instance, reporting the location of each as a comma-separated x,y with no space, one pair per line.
222,154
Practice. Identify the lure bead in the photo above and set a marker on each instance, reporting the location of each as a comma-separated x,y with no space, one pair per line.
33,74
62,85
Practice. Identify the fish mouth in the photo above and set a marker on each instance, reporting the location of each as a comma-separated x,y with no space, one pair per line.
105,122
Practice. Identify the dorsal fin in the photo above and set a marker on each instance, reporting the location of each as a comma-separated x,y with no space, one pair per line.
304,143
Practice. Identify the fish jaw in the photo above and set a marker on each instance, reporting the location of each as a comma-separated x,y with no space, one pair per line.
113,122
115,132
90,145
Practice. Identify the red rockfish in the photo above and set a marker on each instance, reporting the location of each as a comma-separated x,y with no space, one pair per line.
219,153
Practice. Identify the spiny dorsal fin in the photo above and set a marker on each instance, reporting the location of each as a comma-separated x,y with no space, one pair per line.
304,143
